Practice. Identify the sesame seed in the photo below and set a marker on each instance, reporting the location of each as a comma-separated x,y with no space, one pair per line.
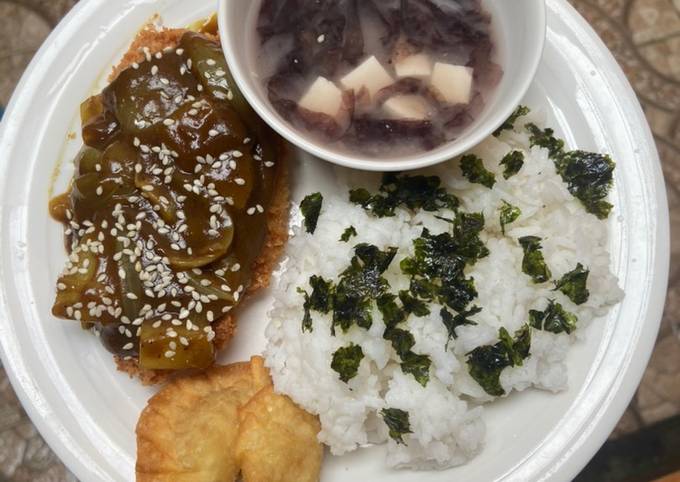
128,346
321,38
268,164
179,51
250,211
169,354
237,154
135,65
168,122
213,133
154,70
131,296
211,62
240,181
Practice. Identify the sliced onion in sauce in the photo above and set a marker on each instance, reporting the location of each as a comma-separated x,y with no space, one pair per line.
160,350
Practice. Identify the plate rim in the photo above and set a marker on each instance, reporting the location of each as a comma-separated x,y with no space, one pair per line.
603,420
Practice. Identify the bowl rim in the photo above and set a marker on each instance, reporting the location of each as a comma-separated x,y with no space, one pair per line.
441,154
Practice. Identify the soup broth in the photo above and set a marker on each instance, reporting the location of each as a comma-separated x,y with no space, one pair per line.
380,77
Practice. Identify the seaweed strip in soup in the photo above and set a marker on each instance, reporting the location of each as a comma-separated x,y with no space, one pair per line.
381,77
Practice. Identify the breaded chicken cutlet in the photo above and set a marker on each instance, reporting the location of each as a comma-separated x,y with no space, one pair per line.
178,209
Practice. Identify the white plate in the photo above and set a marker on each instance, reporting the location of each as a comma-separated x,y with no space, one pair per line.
87,411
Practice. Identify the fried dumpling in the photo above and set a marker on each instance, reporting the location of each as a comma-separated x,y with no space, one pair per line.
188,430
277,440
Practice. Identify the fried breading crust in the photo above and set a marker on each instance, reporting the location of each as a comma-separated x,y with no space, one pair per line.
277,216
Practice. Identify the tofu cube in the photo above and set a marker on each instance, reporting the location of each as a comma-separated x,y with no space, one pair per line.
370,75
453,82
418,65
322,96
412,107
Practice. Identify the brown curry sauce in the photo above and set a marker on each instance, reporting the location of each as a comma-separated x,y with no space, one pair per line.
166,212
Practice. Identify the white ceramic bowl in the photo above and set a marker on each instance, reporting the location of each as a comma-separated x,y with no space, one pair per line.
520,27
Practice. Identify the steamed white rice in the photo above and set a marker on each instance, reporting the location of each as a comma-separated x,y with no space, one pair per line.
446,416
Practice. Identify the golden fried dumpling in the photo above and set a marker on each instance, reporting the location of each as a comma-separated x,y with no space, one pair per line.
277,440
188,431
